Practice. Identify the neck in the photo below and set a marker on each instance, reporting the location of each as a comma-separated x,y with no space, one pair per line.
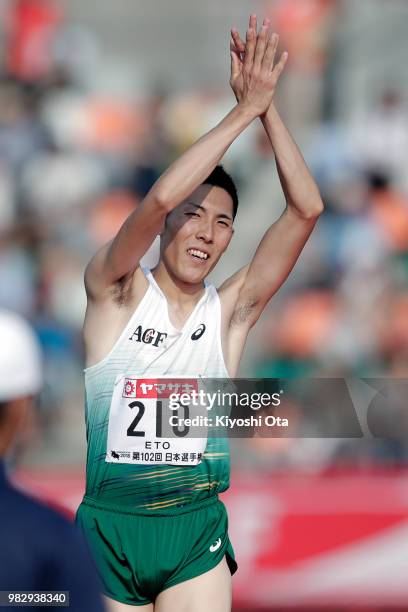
176,290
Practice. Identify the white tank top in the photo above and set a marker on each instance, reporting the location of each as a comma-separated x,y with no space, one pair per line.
152,346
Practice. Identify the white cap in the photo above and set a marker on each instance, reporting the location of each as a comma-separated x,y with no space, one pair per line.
20,358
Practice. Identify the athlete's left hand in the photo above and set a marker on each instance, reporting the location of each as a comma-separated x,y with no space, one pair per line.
242,54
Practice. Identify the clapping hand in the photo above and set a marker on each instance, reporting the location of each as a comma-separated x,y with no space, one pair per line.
254,72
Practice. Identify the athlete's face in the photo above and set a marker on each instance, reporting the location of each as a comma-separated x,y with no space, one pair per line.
197,233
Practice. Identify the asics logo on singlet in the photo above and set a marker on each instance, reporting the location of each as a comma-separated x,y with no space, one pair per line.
215,546
198,332
148,336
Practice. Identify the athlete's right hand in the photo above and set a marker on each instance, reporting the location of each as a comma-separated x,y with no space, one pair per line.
254,79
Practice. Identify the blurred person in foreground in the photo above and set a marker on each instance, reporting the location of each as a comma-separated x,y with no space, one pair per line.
158,531
40,550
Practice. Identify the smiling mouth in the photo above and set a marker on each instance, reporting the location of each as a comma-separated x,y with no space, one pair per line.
198,255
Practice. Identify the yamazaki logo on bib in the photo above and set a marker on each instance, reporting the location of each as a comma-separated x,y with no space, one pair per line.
158,388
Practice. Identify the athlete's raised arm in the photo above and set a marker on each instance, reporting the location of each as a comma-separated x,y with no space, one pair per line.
283,242
122,255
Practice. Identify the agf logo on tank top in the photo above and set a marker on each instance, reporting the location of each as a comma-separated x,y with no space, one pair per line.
148,336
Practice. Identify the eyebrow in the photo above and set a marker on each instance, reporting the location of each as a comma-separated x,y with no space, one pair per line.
220,216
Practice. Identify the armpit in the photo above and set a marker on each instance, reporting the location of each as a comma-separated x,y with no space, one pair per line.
121,290
243,312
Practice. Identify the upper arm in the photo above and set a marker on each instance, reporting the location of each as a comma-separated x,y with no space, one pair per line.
275,257
244,295
95,281
121,255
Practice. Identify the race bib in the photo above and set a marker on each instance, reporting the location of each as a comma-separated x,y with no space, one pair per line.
147,425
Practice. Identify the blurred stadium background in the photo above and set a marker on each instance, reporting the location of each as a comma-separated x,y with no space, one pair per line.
96,99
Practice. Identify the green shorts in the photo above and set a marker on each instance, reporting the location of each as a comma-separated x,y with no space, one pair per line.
139,553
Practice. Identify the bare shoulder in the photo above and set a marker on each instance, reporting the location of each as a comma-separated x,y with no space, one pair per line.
108,312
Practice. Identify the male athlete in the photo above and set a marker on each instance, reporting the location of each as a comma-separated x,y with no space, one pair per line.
151,512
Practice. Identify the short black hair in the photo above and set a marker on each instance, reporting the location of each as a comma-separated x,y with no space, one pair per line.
220,178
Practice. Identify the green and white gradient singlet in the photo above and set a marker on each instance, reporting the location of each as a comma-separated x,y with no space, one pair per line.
151,348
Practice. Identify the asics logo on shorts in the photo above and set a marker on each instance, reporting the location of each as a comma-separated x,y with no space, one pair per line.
215,546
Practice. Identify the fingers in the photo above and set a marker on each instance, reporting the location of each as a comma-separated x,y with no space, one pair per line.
237,40
235,64
277,71
270,53
261,45
250,44
259,51
252,22
237,48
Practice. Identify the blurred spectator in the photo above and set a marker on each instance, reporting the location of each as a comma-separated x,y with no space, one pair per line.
381,136
390,211
22,135
40,550
32,26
